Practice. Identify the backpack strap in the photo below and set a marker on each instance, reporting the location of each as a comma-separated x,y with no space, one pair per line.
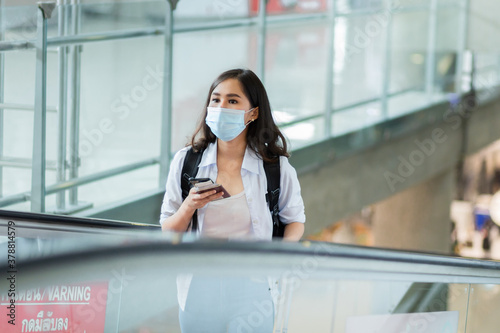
273,176
190,169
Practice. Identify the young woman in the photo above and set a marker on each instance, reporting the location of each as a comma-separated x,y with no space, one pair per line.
236,134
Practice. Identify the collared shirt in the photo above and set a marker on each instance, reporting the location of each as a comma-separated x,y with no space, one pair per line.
254,180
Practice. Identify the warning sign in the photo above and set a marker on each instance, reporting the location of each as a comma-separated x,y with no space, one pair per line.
62,308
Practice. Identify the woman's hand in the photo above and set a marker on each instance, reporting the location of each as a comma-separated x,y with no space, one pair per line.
180,220
197,200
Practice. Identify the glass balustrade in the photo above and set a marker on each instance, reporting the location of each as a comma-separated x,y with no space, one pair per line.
133,281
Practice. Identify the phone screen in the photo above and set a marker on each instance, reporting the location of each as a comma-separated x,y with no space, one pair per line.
195,181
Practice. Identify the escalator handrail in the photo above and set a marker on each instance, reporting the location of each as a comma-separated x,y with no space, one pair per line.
71,221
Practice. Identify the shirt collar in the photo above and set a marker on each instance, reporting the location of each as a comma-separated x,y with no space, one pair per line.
210,155
250,160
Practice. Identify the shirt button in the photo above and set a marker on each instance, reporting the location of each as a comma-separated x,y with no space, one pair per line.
250,200
255,221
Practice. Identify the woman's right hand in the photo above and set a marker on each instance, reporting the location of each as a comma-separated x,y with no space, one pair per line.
197,200
180,220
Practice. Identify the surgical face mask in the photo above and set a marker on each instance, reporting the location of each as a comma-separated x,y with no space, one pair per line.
226,124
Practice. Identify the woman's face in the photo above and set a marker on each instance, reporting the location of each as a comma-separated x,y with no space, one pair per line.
229,95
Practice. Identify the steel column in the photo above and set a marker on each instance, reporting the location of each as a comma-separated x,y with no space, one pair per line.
2,73
431,49
74,84
40,115
166,116
462,43
330,70
261,48
386,77
62,115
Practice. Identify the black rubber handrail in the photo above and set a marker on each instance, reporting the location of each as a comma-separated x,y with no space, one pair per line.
72,221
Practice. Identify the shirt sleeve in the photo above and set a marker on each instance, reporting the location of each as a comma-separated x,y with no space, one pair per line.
290,201
172,199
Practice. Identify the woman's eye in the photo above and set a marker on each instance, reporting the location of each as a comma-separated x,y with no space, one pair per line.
215,100
233,101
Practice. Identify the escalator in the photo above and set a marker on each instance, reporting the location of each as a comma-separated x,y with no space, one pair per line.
84,275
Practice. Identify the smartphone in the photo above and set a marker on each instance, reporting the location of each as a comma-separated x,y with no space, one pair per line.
203,185
195,181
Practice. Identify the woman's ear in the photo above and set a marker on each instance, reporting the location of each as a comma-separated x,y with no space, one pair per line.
255,113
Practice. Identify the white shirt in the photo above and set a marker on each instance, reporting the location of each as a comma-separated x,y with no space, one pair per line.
254,180
228,218
255,188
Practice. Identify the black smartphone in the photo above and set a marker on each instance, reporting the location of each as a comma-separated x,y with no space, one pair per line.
193,181
206,184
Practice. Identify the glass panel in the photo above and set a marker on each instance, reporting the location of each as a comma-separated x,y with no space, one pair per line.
447,43
359,60
349,306
409,101
210,288
124,104
189,12
121,187
296,68
447,3
483,305
199,57
18,123
353,6
117,111
356,118
121,15
279,7
110,304
487,70
409,51
19,76
18,22
304,133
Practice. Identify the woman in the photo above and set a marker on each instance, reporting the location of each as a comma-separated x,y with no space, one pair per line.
236,134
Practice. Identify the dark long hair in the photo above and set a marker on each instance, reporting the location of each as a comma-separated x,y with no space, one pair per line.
263,136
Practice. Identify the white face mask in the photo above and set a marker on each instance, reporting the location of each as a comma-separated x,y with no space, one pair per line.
226,124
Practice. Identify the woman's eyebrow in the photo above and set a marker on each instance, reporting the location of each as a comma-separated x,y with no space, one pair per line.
228,95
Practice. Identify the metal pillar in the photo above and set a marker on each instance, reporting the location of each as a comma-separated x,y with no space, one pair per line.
386,77
2,73
74,84
62,115
261,48
39,130
431,49
166,117
462,43
330,70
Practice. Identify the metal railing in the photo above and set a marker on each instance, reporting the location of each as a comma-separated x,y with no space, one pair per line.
69,41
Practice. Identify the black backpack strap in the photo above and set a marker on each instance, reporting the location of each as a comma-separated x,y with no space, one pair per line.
273,176
190,169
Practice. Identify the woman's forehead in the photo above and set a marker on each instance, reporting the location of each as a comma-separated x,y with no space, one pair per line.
229,86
